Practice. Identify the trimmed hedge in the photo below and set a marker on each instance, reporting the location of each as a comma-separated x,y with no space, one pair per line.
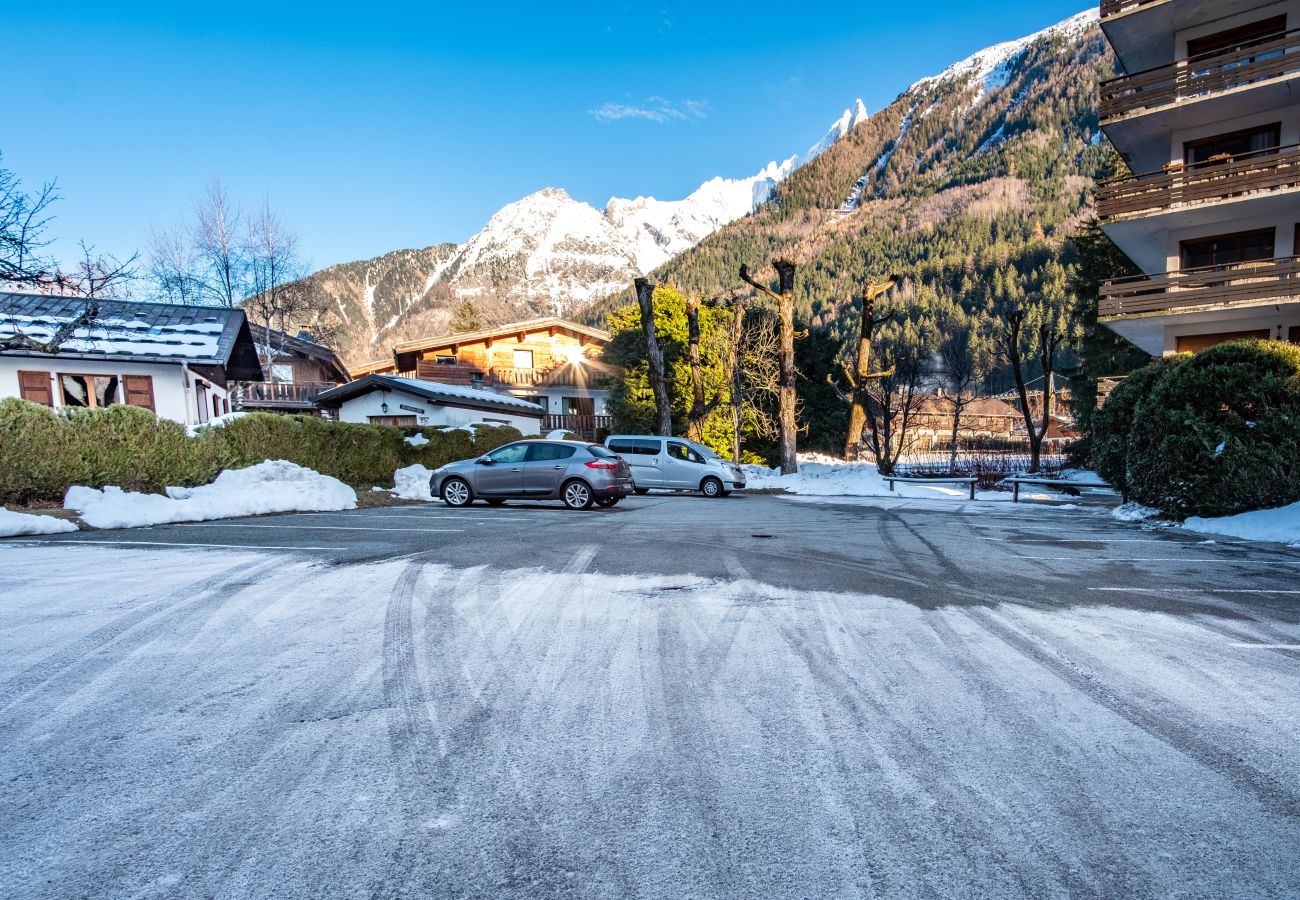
1112,425
44,452
1219,433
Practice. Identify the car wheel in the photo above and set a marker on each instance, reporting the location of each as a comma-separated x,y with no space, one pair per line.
711,487
641,491
497,502
456,492
577,495
607,502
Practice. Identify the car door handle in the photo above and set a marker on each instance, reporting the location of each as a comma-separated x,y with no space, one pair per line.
557,467
520,469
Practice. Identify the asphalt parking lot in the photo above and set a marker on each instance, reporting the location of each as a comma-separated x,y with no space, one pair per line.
757,696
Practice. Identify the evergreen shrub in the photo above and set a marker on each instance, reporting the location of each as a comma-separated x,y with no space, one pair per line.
1219,433
1112,425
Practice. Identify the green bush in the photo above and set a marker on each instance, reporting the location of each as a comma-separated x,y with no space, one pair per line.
1219,433
1112,425
43,452
35,463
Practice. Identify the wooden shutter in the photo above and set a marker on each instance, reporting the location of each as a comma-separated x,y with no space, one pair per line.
139,390
35,387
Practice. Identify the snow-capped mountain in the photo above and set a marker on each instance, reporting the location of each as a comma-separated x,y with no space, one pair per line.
550,254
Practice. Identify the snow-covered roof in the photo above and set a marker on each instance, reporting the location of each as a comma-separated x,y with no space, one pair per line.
447,394
127,330
496,331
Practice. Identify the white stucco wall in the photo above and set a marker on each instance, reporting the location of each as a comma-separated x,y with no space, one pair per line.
554,397
427,412
173,398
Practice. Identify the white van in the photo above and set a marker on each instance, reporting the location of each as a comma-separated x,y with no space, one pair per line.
676,464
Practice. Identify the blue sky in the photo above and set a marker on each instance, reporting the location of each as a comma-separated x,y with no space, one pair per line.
374,127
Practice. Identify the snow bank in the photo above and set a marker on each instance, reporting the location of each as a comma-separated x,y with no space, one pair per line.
412,483
268,487
1134,512
13,524
218,422
1281,525
826,476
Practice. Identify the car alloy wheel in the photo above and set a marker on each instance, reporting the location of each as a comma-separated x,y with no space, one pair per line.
711,487
577,495
455,492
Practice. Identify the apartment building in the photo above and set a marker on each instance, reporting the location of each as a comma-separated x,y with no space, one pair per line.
1208,120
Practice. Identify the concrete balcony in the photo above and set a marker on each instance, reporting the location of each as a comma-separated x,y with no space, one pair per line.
1142,31
1261,296
1138,212
1140,112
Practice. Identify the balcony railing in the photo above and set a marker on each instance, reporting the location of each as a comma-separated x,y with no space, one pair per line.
1222,179
1250,283
1200,76
506,376
1119,7
275,394
592,428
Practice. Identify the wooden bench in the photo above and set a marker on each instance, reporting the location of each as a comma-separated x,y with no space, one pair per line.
1017,480
971,481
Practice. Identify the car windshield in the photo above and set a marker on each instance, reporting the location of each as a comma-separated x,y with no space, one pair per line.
704,451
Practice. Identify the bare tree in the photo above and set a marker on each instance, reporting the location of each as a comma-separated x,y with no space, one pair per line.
219,246
172,266
966,357
279,300
645,290
756,378
861,377
788,414
23,219
1037,329
895,398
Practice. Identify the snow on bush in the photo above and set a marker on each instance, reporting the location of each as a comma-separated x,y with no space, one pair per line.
218,422
417,440
412,483
13,524
1281,525
268,487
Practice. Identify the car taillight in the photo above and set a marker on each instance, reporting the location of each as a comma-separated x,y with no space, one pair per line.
602,464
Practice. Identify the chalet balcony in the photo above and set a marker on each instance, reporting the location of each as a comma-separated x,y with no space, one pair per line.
508,377
1200,77
1112,8
1228,179
1240,285
592,428
251,395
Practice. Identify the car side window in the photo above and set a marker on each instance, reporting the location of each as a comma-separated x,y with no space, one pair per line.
624,447
682,452
549,452
647,448
510,453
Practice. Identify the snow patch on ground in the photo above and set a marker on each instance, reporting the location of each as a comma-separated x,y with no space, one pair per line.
1281,525
412,483
826,476
1134,512
13,524
268,487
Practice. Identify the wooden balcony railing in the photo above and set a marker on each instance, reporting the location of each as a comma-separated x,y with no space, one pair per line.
506,376
592,428
1118,7
1232,177
274,394
1248,283
1200,76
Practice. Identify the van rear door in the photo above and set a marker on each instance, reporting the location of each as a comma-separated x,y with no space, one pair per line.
644,455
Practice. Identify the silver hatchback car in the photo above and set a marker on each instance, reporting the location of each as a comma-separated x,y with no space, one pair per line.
575,472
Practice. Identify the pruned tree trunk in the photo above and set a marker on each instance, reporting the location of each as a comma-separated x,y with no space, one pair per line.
645,290
695,420
862,374
737,395
958,405
788,398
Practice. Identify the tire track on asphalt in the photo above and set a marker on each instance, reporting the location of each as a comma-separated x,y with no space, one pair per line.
154,613
1274,795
